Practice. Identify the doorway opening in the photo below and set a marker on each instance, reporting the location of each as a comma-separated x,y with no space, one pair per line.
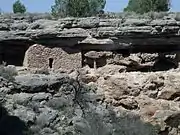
50,62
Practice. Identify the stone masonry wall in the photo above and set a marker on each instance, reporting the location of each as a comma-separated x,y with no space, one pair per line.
38,56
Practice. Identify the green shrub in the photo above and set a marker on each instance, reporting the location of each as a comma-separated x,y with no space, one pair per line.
145,6
18,7
77,8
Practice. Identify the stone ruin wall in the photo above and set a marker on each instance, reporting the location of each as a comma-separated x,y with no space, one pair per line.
70,43
38,56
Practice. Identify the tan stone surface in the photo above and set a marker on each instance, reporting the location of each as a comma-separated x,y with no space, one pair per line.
154,96
37,56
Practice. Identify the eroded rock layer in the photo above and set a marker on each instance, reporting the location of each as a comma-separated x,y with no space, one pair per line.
144,34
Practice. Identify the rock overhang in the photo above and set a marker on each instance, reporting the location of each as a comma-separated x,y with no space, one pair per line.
93,33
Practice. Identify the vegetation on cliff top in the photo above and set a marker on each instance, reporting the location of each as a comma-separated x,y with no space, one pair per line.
18,7
86,8
144,6
77,8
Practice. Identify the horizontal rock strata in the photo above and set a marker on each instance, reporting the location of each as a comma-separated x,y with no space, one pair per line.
92,33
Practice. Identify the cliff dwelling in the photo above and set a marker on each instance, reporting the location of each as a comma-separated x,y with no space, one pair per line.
39,56
129,83
144,45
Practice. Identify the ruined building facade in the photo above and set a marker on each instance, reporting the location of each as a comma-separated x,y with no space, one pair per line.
39,56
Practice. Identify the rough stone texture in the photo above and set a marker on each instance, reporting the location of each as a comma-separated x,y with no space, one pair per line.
126,103
134,61
38,56
68,59
153,95
97,33
122,35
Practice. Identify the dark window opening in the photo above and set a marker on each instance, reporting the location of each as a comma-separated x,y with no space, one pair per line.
50,62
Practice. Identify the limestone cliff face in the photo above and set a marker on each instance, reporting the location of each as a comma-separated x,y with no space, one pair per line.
143,34
118,35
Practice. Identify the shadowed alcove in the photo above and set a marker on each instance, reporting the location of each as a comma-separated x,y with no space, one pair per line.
12,53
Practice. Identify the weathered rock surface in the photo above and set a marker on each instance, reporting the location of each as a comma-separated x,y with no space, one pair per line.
145,34
132,62
153,95
65,41
107,96
127,103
